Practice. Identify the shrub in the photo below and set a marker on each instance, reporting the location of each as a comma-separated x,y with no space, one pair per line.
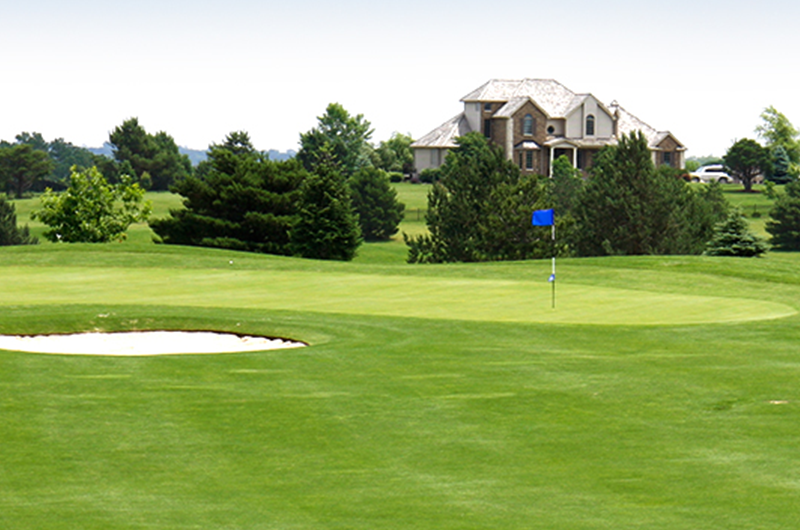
394,176
430,175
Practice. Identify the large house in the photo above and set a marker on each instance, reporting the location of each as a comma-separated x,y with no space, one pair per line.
537,120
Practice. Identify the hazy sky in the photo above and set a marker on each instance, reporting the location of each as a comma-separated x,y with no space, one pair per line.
703,69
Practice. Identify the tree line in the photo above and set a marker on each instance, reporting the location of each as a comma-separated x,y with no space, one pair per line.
335,193
322,204
154,161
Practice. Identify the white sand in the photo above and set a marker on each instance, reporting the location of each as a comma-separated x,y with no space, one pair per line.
142,343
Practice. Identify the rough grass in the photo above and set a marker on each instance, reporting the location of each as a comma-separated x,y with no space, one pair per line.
410,419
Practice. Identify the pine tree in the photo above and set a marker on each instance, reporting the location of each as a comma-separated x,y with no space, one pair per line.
326,227
375,202
10,233
732,237
784,225
480,209
240,201
781,166
629,208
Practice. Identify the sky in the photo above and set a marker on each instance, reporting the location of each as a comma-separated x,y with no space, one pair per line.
200,69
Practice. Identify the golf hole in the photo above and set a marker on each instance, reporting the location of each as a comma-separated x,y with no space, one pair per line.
143,343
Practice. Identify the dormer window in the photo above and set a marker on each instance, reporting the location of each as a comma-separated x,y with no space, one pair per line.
487,107
590,125
527,125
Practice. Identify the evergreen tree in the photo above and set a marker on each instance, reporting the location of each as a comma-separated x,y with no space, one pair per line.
565,186
375,202
10,233
244,201
781,166
327,227
629,208
784,223
480,209
732,237
158,155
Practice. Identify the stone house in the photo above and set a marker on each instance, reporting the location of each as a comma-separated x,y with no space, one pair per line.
537,120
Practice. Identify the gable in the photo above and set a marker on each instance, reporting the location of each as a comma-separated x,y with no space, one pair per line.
581,108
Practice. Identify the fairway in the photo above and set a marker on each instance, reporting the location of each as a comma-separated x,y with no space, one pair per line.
661,392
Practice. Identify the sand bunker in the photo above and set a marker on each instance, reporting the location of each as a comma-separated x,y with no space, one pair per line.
142,343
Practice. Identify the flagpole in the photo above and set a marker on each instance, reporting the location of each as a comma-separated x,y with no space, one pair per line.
553,233
547,218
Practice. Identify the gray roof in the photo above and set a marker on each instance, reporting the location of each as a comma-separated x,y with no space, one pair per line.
508,110
445,134
628,123
553,97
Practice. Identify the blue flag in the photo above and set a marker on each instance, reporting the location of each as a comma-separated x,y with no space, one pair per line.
552,278
543,218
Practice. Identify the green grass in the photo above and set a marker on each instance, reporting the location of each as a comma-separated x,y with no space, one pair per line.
660,393
755,206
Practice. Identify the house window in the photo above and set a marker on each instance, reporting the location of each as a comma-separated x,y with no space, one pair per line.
527,125
487,128
550,129
666,158
487,107
529,160
434,158
590,125
520,160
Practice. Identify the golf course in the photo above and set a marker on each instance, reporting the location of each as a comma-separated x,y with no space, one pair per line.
659,392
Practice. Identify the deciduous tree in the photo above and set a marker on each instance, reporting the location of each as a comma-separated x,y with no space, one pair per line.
395,154
91,210
345,136
21,166
747,159
776,129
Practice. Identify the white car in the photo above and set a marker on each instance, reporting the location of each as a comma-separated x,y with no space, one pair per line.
711,173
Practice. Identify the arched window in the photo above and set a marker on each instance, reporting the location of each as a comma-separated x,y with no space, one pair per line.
527,125
590,125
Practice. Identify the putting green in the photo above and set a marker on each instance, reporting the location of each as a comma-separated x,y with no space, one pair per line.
367,294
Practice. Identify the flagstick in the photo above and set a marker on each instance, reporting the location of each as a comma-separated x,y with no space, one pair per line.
554,264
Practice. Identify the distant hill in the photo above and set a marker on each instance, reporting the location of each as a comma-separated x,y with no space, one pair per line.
195,155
